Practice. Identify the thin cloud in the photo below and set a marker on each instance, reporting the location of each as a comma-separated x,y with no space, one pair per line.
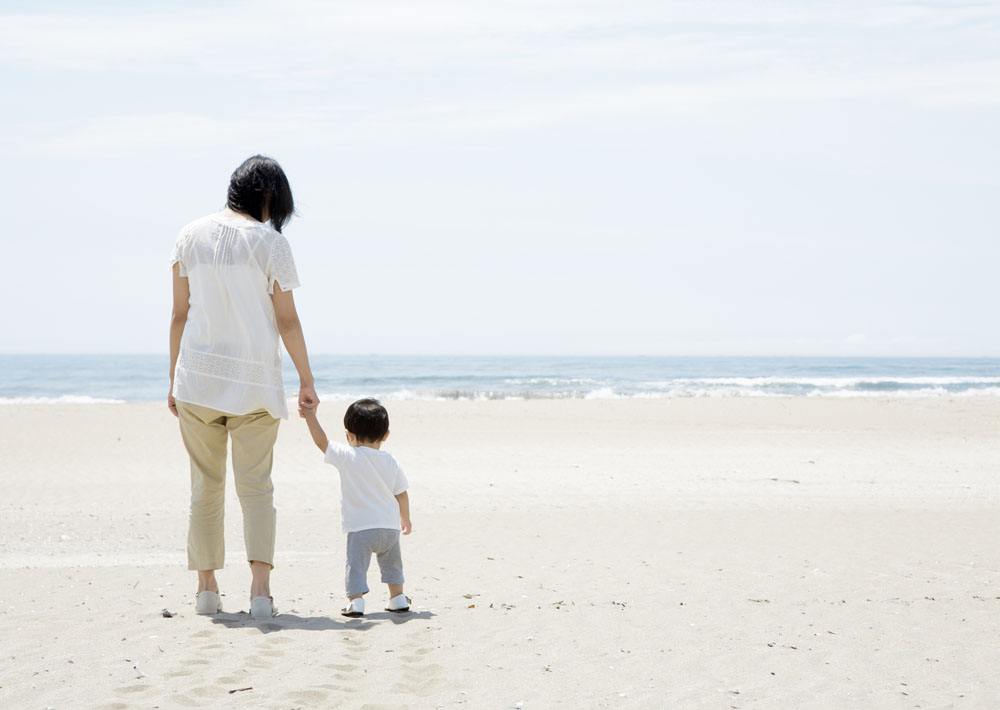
354,71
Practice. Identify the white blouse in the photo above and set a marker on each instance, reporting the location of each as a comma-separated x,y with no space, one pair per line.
230,359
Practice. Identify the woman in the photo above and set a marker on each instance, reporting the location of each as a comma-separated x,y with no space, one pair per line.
233,276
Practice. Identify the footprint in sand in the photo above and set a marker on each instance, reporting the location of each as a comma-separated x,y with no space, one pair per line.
185,701
345,667
352,654
343,673
419,677
344,689
353,650
348,668
313,697
424,670
206,691
264,658
420,680
416,655
132,689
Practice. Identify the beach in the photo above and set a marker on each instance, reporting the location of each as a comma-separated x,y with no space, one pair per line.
716,552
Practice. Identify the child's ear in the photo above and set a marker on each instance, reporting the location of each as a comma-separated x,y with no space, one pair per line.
384,438
351,439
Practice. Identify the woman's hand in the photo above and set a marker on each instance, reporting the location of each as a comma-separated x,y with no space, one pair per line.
308,399
171,404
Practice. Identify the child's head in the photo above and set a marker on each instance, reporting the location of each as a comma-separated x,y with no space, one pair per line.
366,422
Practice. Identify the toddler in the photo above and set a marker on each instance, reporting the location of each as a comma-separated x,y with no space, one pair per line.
373,501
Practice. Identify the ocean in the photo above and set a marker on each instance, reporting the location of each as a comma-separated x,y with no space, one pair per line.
138,378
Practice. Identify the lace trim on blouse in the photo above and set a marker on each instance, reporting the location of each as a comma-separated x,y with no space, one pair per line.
230,368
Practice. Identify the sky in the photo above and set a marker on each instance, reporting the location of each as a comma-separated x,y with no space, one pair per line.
530,177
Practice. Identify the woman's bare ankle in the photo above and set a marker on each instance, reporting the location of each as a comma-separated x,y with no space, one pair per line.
207,582
260,586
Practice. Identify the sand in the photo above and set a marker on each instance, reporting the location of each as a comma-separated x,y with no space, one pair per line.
717,553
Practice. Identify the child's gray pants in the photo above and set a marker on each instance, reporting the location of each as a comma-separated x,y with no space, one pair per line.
384,542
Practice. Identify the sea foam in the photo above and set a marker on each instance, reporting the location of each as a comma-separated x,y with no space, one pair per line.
61,399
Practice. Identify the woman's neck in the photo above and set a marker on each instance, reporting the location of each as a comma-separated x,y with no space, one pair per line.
236,213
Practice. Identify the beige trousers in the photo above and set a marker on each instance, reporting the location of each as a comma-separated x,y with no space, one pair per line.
205,432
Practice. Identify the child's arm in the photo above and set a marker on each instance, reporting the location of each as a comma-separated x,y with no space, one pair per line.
404,512
315,430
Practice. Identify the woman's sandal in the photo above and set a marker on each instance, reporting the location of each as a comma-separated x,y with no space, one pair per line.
263,608
207,603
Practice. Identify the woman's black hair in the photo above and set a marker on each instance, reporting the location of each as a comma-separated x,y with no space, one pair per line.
367,420
260,182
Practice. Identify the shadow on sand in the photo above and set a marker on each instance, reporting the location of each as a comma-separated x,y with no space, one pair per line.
285,622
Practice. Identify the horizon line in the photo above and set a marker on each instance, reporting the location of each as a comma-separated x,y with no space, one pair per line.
541,355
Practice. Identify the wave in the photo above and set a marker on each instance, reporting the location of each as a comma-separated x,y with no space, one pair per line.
826,381
610,393
680,388
61,399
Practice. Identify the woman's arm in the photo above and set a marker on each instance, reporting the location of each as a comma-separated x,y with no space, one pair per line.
178,319
290,329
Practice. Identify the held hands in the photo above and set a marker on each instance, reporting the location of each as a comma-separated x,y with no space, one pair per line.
171,403
406,525
308,400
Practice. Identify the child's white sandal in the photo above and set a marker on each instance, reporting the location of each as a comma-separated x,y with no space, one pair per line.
354,609
399,604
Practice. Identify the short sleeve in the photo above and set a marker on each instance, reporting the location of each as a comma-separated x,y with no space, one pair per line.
281,266
177,255
401,483
337,453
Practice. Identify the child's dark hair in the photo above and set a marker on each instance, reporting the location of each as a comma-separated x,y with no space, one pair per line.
367,420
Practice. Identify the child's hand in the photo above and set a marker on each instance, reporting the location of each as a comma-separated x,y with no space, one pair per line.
405,524
308,398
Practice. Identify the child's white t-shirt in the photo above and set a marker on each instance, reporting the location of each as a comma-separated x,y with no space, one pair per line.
370,480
